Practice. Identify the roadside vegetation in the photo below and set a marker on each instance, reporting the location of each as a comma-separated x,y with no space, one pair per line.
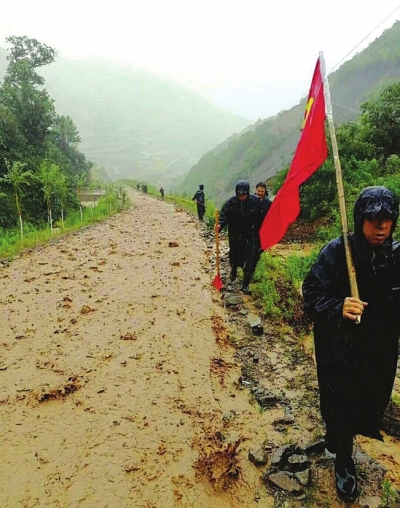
44,179
12,242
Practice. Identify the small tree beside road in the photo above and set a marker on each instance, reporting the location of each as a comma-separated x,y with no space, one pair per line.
18,179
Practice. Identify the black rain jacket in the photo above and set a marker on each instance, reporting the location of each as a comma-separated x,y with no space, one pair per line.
265,206
242,219
356,363
200,200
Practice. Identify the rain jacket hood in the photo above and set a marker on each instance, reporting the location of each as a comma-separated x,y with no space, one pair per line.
374,201
242,187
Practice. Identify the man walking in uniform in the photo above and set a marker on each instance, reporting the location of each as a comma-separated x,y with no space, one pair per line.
200,201
241,214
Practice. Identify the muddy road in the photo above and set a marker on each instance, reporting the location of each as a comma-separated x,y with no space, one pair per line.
118,373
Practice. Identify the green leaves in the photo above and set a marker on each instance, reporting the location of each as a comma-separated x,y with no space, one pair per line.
383,120
49,176
40,147
25,55
16,177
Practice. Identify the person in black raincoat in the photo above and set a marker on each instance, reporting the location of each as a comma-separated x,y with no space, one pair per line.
265,204
356,363
241,214
200,201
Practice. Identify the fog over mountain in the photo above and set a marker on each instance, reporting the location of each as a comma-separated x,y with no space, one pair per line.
267,146
133,123
137,125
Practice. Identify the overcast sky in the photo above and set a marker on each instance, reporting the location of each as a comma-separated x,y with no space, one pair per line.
253,57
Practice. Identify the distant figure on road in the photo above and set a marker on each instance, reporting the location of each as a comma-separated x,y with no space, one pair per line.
161,193
200,200
356,363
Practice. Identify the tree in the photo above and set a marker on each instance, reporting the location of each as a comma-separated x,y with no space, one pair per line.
17,178
29,109
80,181
49,176
31,130
353,143
382,119
62,188
122,194
65,133
25,55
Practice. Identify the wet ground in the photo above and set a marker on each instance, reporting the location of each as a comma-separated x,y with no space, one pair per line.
125,380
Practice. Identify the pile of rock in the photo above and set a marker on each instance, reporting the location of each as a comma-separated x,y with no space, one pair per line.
290,467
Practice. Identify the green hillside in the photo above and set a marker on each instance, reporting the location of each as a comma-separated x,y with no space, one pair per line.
139,126
135,124
268,146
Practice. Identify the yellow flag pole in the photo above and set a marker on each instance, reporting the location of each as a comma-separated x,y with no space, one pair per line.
339,182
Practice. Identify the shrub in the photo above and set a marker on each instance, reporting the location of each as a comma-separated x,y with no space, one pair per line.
277,287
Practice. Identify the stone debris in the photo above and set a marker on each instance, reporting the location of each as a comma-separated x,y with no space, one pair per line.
258,456
285,481
290,468
298,462
371,502
233,300
255,324
303,477
317,447
229,416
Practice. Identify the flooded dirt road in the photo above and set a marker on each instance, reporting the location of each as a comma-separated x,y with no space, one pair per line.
106,388
118,376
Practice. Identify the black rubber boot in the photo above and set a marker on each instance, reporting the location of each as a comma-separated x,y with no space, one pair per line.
246,281
345,470
233,274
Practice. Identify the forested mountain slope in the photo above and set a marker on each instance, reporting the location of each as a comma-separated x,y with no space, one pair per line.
133,123
268,146
139,126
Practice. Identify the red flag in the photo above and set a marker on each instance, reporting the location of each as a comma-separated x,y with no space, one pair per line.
310,153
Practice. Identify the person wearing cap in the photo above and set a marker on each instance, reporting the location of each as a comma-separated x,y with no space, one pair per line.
241,215
200,200
356,339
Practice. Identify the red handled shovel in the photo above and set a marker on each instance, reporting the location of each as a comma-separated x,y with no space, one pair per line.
217,282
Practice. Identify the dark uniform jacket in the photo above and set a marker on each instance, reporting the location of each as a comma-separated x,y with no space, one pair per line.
356,363
265,205
242,219
200,200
